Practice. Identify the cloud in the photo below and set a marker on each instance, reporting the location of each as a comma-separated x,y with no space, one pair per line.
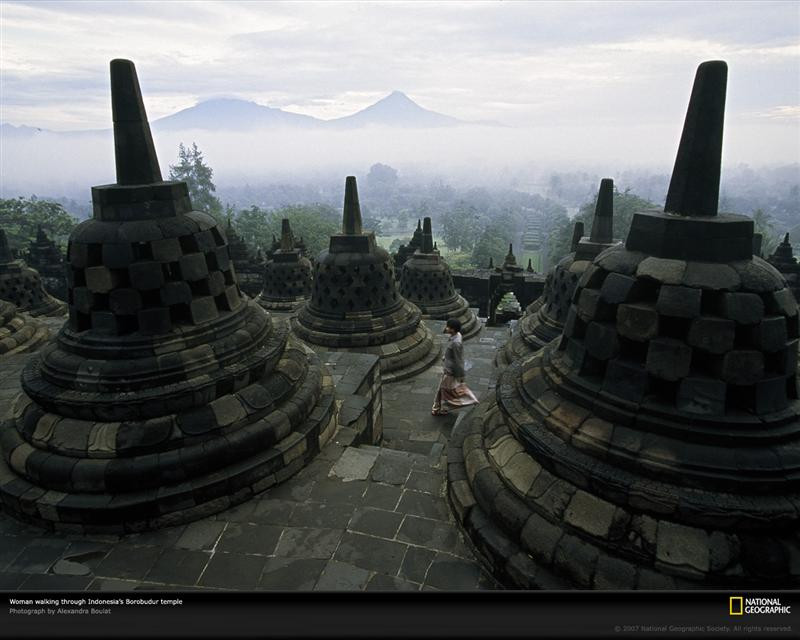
528,64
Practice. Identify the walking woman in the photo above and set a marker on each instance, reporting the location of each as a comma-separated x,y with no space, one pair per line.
452,392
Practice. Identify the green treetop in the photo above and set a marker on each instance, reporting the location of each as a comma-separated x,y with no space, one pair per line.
193,170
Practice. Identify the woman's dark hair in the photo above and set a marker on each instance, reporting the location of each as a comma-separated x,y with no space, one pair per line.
454,324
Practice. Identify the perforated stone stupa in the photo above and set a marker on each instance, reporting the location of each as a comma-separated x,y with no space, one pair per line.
784,261
544,319
48,260
19,333
287,275
22,286
249,269
167,396
355,305
426,281
657,443
405,251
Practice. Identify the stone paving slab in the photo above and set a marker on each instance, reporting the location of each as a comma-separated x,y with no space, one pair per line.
356,518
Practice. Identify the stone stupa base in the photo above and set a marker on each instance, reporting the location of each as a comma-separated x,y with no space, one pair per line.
18,332
399,359
517,347
120,477
543,512
458,309
281,306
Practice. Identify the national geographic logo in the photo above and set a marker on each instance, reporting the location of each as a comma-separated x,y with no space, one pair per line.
739,606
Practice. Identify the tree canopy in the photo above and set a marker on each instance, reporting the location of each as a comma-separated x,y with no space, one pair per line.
193,170
314,223
21,217
625,205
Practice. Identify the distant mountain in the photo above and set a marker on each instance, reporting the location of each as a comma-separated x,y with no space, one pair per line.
10,131
233,114
396,110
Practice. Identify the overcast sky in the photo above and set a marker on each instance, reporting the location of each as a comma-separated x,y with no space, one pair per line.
573,65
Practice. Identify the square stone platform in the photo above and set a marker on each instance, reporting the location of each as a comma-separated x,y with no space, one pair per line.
359,517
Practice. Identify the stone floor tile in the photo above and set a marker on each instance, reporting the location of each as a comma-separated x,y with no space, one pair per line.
300,542
295,489
112,584
354,464
128,562
49,582
416,563
425,532
422,504
291,574
341,576
382,496
376,522
321,515
233,571
432,483
38,555
202,535
391,470
335,491
274,512
452,573
158,538
179,567
240,513
87,553
10,548
371,553
242,537
381,582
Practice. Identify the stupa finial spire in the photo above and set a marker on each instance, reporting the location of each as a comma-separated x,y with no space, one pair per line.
694,188
134,150
287,240
577,234
351,220
603,223
427,237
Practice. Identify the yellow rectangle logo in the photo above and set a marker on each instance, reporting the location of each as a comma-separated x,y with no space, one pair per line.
737,605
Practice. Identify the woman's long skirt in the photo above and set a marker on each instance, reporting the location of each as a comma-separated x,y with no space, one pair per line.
452,394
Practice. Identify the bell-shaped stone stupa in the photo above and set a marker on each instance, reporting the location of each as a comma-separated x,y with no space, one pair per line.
21,286
405,251
249,270
167,396
48,260
657,443
426,281
287,275
784,261
544,319
355,305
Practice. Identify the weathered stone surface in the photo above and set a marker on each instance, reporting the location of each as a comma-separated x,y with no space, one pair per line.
677,301
668,359
715,335
662,270
702,396
590,514
637,321
682,546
